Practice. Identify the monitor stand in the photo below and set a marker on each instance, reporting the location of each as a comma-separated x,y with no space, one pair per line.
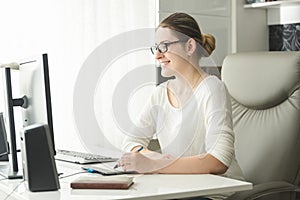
7,171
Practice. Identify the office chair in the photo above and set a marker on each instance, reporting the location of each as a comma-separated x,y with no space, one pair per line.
265,91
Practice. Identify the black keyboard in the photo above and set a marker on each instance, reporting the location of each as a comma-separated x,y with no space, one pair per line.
81,158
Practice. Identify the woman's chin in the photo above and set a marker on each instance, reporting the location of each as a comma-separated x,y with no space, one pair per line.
166,75
166,72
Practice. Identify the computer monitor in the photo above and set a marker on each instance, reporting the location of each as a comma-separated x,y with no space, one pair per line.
35,100
35,86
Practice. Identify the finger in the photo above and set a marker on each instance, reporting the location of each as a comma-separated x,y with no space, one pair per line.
120,162
127,166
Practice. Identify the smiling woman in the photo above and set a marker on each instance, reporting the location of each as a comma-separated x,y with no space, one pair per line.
190,114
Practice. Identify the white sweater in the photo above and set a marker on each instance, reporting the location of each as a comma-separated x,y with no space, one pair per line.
202,125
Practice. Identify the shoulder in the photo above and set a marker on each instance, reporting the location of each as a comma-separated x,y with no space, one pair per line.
213,86
215,93
159,93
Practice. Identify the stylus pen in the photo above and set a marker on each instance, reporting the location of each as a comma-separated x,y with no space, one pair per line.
138,150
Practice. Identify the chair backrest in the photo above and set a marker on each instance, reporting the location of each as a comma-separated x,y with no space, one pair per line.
265,91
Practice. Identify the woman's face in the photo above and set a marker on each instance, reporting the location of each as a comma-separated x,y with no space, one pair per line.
173,61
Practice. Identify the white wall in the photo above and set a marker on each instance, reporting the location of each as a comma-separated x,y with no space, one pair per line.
69,31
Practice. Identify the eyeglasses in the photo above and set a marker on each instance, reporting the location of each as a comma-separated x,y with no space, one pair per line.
162,47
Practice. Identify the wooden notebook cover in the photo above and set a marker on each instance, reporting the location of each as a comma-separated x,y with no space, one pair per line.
102,182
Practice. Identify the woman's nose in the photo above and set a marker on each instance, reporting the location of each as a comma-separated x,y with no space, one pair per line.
158,55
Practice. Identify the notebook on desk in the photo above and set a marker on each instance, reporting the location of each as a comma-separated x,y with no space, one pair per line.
82,158
113,182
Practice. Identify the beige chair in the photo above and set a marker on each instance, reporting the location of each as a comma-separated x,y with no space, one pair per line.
265,91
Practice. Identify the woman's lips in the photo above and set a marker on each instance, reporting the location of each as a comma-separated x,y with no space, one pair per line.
165,62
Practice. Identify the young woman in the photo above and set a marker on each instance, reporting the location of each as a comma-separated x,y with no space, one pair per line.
191,114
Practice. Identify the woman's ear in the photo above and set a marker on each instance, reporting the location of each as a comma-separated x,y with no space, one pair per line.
191,46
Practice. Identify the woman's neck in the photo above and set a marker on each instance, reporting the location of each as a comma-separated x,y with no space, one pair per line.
182,87
188,79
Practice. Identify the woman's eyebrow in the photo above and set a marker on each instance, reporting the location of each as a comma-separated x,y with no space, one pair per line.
162,42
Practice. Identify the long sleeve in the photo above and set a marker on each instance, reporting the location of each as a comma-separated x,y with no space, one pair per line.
145,128
218,120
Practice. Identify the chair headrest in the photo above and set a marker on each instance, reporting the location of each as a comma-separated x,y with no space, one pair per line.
260,80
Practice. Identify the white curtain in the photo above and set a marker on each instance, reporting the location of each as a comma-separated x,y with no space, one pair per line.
68,30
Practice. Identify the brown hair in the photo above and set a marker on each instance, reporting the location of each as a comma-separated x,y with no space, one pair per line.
187,25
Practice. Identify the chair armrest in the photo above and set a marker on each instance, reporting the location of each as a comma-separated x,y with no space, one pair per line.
264,189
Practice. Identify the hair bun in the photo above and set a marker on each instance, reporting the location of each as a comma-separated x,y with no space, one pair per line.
208,43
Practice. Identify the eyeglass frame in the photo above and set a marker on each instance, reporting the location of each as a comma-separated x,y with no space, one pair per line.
163,43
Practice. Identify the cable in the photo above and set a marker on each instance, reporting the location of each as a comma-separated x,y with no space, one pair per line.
13,190
72,174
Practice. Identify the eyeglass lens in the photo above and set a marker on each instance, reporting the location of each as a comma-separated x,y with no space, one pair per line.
162,48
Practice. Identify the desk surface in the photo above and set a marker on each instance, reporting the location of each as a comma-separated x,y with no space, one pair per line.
155,186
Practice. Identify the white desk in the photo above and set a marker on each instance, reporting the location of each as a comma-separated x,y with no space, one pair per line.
145,187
